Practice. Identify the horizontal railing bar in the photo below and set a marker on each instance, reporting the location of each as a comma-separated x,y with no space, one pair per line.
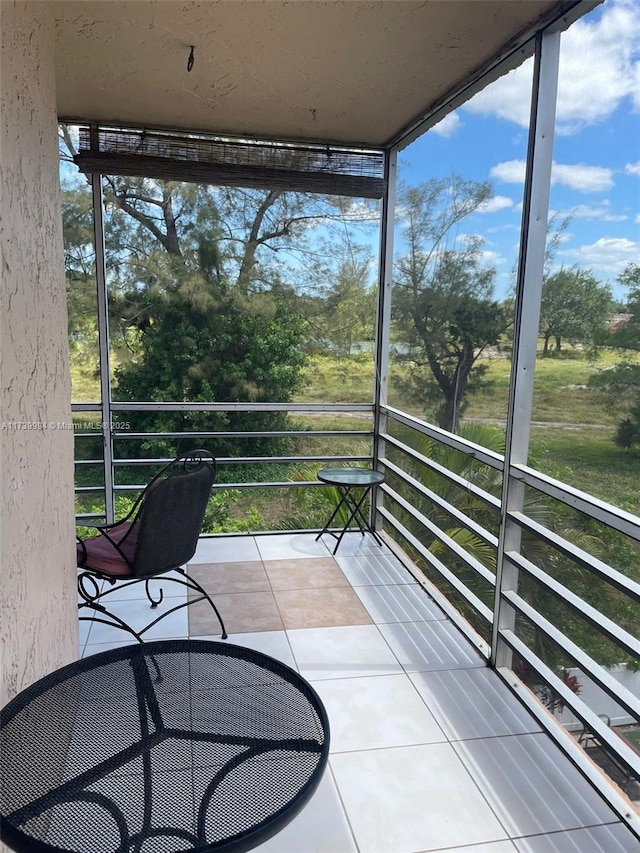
595,508
618,801
461,482
220,487
470,597
141,436
606,626
588,561
227,460
252,460
488,457
281,484
569,699
586,663
249,460
119,434
441,536
240,407
451,510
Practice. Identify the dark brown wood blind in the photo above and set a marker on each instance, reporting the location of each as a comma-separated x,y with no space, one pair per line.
323,169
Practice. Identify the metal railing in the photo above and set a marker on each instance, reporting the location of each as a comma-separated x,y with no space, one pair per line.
421,508
110,463
411,510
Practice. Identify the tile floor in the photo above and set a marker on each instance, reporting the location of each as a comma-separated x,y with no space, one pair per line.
429,750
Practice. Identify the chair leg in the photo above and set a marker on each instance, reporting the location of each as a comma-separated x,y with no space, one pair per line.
92,594
154,602
193,584
105,617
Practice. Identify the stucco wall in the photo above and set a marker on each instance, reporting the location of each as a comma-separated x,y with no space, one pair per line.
38,600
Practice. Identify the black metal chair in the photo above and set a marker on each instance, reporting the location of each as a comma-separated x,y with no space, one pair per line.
159,535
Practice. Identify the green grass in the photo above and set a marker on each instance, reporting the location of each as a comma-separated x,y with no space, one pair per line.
588,459
560,394
583,456
85,379
331,379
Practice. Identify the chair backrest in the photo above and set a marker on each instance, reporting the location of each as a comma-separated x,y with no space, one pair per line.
170,515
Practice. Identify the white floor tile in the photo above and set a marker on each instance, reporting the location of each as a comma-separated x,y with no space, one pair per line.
341,652
375,712
289,546
471,703
399,603
425,646
355,543
137,614
532,787
489,847
226,549
84,629
412,798
321,826
272,643
373,569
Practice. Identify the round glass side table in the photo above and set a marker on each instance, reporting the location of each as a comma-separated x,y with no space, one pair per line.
353,485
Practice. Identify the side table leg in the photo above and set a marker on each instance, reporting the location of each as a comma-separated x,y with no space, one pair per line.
325,529
357,515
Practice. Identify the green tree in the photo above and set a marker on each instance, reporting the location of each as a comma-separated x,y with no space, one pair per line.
621,383
79,262
339,301
203,320
575,307
442,304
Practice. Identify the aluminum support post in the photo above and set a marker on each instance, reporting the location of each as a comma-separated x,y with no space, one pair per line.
527,317
383,321
103,343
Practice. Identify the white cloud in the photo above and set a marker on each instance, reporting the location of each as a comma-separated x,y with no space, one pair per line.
584,211
633,168
494,204
582,178
447,126
577,176
491,259
608,256
360,211
599,68
509,172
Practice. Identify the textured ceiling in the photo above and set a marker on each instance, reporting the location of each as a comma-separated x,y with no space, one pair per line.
348,71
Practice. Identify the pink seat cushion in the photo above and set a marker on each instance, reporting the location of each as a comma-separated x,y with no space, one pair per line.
103,557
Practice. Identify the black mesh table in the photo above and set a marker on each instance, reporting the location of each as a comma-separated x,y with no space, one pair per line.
353,485
176,745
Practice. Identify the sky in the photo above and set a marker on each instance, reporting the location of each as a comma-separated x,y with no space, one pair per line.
596,168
